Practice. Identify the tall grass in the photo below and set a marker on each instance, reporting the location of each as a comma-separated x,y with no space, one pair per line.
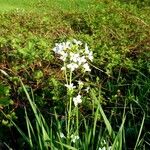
41,135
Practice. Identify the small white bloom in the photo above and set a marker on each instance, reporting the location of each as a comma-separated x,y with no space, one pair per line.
86,49
62,135
74,138
63,68
72,66
71,54
58,48
87,89
63,55
77,42
104,142
77,100
88,52
70,86
74,57
90,56
109,148
81,60
67,45
80,83
86,67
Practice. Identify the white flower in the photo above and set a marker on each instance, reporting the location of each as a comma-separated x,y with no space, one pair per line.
63,55
88,52
67,45
80,83
77,100
58,48
77,58
62,135
74,57
71,55
72,66
63,68
81,60
70,86
90,56
77,42
74,138
87,89
86,49
86,67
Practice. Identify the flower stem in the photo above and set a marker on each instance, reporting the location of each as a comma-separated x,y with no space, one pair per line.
77,119
70,106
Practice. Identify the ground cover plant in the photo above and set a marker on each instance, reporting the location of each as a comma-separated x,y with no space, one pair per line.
75,74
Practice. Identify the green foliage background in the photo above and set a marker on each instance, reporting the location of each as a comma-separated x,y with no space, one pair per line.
117,32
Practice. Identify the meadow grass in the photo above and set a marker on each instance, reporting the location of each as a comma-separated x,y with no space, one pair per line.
44,6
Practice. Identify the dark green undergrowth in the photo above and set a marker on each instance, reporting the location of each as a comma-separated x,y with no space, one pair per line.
118,33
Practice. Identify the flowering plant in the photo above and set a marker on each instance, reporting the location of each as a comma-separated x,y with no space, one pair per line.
75,56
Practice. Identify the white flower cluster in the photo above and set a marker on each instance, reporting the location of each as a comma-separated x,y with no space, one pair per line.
77,100
70,86
74,138
62,135
74,54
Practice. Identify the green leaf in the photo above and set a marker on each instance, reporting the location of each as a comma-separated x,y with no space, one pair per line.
4,90
4,101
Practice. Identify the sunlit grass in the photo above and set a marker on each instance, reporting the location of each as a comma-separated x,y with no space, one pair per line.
47,5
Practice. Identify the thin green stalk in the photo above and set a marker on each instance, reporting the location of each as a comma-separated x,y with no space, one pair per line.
69,117
70,106
77,120
95,122
66,77
141,128
29,128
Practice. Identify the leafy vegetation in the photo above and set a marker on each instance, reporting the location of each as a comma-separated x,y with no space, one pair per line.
117,33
